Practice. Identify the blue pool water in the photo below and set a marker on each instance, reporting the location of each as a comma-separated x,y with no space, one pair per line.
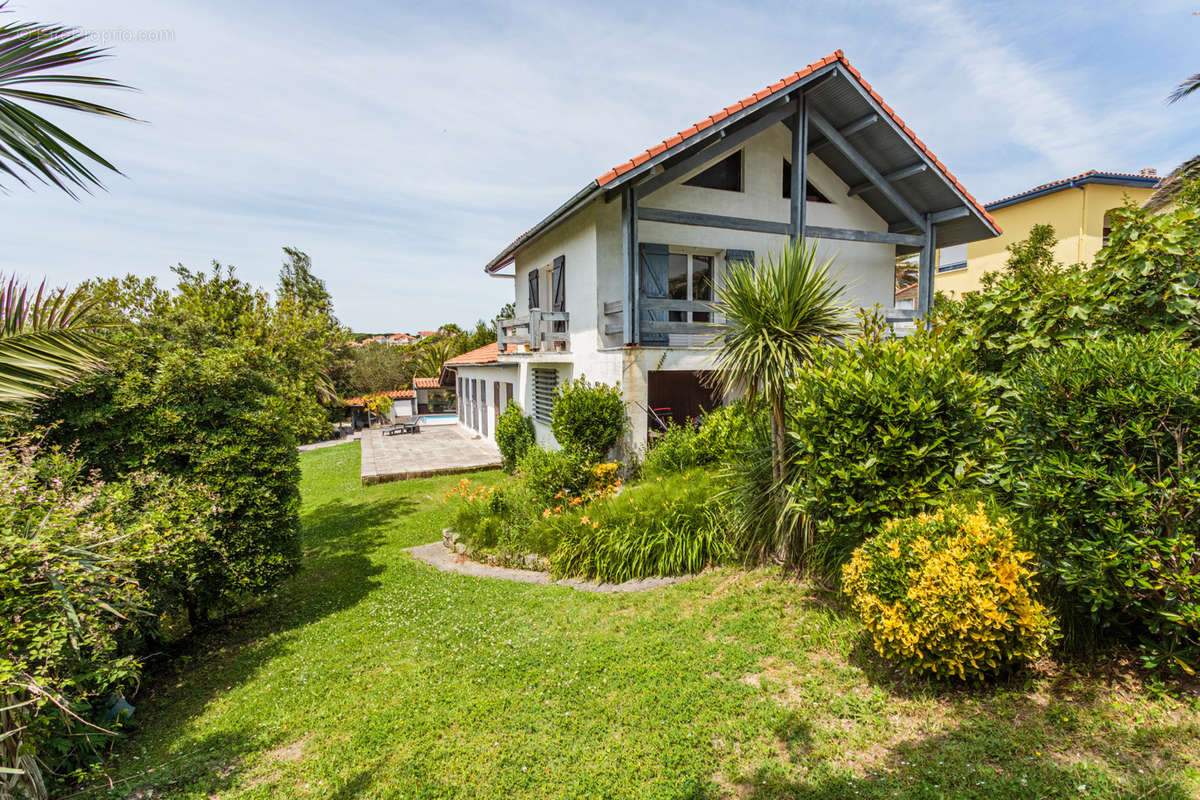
438,419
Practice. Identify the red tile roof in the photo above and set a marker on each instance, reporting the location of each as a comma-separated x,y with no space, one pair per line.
488,354
750,100
425,383
766,94
427,333
395,394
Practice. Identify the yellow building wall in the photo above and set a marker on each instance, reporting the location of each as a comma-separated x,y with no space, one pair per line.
1078,219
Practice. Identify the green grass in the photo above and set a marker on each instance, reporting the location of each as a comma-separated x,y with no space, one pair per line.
371,675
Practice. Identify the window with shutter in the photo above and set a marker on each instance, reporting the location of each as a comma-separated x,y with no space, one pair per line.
558,289
656,282
535,297
545,383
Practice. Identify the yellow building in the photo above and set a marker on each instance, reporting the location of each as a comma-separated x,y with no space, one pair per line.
1077,208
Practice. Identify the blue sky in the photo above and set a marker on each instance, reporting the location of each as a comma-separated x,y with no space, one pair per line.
402,145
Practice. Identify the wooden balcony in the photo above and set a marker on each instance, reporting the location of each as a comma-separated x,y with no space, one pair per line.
664,332
541,331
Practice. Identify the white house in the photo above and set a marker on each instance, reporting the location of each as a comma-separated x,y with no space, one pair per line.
484,388
613,284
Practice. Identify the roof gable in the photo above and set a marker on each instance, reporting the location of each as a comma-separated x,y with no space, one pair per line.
838,90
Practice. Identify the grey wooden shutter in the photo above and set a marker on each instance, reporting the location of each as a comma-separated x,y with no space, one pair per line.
655,264
534,296
558,290
559,303
732,256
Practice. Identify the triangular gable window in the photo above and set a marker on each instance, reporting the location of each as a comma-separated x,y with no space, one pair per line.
726,174
813,194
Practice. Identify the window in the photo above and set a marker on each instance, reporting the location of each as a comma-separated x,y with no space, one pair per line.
545,382
1107,228
726,175
812,196
689,277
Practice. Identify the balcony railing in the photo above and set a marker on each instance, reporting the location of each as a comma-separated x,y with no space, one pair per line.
541,331
685,333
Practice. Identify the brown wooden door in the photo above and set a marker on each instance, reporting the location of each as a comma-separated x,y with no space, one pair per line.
495,404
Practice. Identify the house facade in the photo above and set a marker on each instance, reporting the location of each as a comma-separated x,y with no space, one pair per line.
614,285
483,388
1078,208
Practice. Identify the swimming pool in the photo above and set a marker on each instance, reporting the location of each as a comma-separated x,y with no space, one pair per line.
438,419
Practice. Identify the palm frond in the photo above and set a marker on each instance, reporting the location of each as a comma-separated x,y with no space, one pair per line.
46,341
31,147
1172,184
1188,86
774,318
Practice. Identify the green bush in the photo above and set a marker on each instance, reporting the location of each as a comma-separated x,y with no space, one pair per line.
88,574
722,435
666,526
588,417
878,430
1107,465
1146,279
546,473
948,594
514,435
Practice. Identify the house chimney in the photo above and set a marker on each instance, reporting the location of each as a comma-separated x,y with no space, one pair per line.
1148,172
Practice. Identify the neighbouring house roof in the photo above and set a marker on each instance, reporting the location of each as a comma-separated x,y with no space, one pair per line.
839,92
488,354
1142,181
427,333
907,293
480,356
425,383
395,394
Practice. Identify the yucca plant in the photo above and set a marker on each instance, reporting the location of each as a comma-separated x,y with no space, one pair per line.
46,340
775,316
32,148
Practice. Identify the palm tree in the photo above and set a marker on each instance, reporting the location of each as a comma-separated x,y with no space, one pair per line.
1170,186
32,147
45,341
775,318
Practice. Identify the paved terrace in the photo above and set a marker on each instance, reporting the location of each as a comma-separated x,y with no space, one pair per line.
436,450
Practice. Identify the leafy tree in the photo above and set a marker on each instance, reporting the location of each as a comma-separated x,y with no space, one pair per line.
32,147
776,316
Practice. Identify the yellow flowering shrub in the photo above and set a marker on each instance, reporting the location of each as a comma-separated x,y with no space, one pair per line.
948,594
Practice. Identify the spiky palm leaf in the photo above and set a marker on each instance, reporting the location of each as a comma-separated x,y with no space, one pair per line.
775,316
32,147
46,341
1170,186
1189,85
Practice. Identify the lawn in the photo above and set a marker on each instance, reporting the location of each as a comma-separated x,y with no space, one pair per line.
371,675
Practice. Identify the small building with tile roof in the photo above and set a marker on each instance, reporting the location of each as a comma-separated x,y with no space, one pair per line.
615,283
1077,207
483,388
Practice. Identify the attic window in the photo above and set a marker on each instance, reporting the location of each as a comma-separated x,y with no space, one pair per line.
726,175
813,195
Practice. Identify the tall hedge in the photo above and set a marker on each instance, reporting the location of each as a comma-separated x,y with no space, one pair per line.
878,430
1107,466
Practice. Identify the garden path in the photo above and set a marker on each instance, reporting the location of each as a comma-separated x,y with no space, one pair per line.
438,555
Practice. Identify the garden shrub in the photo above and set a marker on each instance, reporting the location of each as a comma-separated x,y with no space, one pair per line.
1107,465
88,571
514,435
720,436
666,526
546,473
878,430
948,594
588,417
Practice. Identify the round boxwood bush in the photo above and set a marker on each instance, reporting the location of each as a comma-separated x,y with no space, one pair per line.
588,417
1108,476
514,435
948,594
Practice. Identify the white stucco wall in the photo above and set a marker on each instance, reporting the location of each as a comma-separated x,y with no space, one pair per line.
591,244
489,375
